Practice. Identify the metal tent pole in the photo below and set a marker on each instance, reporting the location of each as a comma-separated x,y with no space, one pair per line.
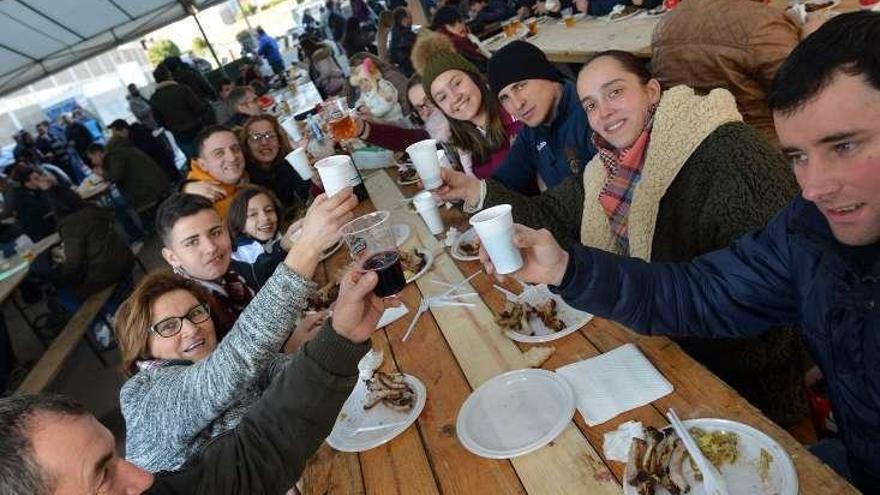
193,11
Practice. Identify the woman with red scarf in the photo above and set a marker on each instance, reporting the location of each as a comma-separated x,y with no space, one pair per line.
676,175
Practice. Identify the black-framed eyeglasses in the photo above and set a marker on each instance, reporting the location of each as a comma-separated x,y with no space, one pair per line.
262,136
169,327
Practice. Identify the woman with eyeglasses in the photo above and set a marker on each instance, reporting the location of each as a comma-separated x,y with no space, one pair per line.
184,387
265,145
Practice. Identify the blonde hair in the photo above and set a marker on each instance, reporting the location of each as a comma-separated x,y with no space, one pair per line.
134,316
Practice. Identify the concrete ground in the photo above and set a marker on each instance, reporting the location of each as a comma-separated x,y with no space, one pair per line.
83,377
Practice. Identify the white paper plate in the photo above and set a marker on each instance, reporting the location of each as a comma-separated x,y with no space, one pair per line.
573,319
429,260
353,416
468,235
743,475
414,180
401,233
515,413
628,16
834,3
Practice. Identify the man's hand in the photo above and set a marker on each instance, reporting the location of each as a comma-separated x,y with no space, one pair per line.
357,310
544,261
582,5
207,189
457,185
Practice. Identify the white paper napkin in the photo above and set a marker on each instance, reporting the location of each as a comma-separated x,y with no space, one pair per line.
391,315
616,444
613,383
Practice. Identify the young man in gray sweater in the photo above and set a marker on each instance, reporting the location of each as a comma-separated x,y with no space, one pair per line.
53,445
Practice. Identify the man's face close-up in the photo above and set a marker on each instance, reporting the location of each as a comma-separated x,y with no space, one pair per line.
533,101
833,145
200,245
77,455
221,156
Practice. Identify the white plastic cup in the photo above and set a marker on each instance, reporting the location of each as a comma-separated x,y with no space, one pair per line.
430,213
494,226
424,157
337,172
300,162
443,160
292,128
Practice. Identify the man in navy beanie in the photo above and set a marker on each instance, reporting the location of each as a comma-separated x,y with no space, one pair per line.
555,142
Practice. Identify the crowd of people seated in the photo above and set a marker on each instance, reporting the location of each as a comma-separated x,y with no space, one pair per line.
659,196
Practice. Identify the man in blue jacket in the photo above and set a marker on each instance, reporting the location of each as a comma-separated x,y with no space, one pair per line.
555,142
267,48
817,262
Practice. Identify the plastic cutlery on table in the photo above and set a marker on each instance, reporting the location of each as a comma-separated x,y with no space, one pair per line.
713,483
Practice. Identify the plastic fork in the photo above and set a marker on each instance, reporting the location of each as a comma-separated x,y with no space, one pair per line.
713,483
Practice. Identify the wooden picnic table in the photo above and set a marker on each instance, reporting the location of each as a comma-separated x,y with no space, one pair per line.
454,349
592,35
9,284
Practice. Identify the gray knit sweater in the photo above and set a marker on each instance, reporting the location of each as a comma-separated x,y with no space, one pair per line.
172,412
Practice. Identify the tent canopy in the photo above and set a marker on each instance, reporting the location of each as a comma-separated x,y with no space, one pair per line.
41,37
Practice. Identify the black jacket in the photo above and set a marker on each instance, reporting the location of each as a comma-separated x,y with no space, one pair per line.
95,256
268,450
402,41
282,180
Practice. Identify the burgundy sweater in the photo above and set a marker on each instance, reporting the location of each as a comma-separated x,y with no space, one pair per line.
397,139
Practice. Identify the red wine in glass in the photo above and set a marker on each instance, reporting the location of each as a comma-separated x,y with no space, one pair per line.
387,266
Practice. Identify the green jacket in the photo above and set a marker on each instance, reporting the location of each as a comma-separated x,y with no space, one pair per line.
268,450
732,181
95,256
136,175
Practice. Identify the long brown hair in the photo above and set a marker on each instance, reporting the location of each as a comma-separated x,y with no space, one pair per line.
237,216
134,316
284,146
465,135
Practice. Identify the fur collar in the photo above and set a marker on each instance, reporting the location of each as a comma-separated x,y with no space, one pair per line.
683,120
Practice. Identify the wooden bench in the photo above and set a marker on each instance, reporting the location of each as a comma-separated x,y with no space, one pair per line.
52,361
48,367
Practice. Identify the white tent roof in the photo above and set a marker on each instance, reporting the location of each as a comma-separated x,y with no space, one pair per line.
40,37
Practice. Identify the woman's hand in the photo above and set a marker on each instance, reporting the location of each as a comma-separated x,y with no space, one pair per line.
458,186
307,328
287,238
206,189
320,230
358,310
544,261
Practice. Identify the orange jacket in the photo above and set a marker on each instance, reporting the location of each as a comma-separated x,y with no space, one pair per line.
197,173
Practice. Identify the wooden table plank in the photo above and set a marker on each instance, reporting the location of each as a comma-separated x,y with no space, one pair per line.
400,466
8,286
427,356
330,472
485,353
589,36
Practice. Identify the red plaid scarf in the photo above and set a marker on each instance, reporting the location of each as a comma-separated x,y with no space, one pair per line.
624,169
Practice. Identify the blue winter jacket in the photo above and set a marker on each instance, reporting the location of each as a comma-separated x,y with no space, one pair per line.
791,271
267,47
548,149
